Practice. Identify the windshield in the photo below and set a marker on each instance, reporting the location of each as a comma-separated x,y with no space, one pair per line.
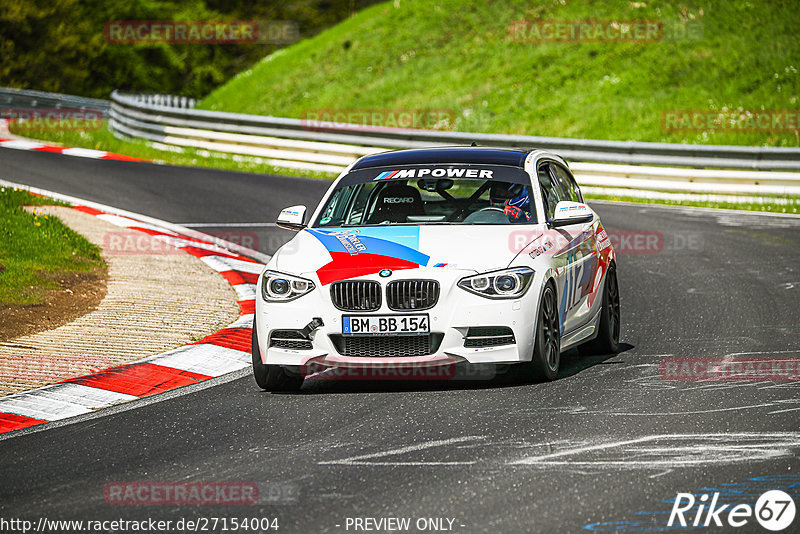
429,201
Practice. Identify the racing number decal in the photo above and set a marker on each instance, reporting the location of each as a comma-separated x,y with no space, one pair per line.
574,275
582,266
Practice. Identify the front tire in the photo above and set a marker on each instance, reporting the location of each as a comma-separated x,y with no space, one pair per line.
607,340
546,356
272,377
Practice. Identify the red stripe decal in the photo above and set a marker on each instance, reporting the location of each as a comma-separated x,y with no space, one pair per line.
121,157
139,379
149,231
236,278
210,240
90,211
202,253
246,307
50,148
12,421
231,338
344,266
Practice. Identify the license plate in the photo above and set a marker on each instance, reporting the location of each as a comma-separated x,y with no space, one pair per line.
385,324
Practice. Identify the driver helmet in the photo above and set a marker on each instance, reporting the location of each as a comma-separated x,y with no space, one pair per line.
518,209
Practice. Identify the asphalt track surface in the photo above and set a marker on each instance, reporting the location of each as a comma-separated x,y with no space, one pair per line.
606,446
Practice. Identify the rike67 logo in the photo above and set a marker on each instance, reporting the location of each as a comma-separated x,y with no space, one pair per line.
774,510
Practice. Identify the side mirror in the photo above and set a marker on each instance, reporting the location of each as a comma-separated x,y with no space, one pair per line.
292,218
568,213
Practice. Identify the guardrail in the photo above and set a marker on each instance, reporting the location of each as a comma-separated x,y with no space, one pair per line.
172,101
330,147
303,144
26,98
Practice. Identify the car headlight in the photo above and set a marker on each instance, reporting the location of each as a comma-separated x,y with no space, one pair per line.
281,287
505,284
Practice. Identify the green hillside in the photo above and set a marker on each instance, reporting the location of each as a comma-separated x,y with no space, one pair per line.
461,56
62,46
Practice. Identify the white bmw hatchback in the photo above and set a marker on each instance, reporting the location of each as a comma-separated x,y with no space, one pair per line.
426,258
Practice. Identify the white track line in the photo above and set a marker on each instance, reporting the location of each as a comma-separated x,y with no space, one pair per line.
21,144
205,359
245,321
59,401
773,444
231,225
221,264
360,460
245,291
84,152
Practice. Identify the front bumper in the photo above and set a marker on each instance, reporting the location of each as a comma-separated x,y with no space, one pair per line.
450,319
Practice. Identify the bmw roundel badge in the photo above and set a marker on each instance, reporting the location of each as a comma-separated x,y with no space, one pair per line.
385,272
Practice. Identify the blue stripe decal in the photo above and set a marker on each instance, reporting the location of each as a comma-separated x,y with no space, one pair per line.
401,242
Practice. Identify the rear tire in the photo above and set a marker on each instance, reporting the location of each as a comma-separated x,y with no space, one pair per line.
547,340
607,340
272,377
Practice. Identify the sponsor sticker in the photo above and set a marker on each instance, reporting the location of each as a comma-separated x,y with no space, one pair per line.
452,172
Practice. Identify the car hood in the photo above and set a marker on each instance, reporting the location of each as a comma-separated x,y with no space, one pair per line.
342,253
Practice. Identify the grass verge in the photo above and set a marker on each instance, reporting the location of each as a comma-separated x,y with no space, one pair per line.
34,249
792,207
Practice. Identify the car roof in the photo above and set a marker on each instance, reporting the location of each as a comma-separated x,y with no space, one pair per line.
444,155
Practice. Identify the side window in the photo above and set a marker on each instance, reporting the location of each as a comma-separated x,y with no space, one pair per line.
550,193
568,182
334,209
561,188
